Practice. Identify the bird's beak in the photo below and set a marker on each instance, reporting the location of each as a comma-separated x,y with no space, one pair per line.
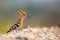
28,16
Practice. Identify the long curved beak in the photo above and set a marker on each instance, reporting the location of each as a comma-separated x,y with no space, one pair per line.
28,16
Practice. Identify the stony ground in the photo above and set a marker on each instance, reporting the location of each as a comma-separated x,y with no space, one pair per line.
30,33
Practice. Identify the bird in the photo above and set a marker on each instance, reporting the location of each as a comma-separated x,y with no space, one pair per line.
20,20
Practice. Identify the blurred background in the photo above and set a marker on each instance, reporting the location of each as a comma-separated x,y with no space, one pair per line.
42,12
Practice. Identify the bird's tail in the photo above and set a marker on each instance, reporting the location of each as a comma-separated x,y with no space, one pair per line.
13,27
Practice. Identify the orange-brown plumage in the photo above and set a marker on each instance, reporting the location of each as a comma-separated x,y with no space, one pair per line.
20,20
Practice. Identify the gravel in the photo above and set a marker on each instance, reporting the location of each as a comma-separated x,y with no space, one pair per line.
29,33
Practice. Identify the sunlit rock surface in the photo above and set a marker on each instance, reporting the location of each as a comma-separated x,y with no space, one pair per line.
30,33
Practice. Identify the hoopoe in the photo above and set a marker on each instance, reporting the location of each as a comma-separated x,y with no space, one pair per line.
20,20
